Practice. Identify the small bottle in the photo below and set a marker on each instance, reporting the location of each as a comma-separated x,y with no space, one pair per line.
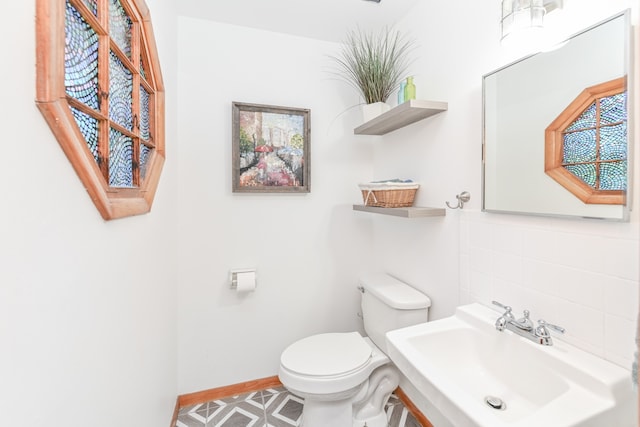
409,90
401,93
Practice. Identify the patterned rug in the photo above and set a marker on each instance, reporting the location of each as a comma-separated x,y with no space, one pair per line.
273,407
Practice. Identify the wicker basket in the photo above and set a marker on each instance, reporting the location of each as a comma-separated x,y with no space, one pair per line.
389,194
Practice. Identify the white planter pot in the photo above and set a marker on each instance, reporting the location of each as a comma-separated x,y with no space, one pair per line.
371,111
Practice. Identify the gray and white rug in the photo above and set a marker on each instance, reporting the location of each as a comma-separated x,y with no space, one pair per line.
273,407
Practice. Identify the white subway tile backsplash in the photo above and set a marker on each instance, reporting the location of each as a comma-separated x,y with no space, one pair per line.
508,238
581,287
582,275
481,234
620,344
507,293
581,251
480,259
507,267
466,298
464,235
621,258
621,297
464,272
480,285
580,322
541,276
540,245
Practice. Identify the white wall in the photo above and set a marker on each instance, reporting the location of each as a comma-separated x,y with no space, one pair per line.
580,274
308,286
309,249
87,307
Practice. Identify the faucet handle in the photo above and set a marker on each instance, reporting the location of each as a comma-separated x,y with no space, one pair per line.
507,309
499,304
543,328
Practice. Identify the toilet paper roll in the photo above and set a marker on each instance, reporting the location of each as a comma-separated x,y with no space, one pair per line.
246,281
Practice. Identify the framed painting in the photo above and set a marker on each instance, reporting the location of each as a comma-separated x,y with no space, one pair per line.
270,149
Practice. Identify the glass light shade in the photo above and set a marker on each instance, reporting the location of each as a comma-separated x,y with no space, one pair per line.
521,17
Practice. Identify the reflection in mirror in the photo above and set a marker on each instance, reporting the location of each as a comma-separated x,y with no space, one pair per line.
555,128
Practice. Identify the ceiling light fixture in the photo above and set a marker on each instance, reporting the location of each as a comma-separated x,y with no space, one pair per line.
524,19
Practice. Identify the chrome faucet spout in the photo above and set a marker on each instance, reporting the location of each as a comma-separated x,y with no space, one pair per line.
523,323
524,326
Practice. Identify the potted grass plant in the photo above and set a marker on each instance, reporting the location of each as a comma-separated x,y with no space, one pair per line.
374,64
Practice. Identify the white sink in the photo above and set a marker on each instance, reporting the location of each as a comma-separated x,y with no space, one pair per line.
459,361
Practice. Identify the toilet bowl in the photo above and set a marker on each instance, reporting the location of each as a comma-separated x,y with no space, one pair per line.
332,372
344,378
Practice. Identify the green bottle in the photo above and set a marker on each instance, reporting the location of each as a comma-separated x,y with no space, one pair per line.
409,90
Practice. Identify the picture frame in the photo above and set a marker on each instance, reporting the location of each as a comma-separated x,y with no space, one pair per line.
270,149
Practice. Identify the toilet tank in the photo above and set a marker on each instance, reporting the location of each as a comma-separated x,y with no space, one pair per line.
388,304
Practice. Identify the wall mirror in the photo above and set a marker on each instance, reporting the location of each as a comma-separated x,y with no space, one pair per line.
555,134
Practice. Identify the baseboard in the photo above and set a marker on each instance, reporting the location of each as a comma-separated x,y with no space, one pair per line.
263,383
226,391
174,420
419,416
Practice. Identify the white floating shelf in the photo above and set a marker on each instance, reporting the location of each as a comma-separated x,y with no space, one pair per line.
400,116
412,212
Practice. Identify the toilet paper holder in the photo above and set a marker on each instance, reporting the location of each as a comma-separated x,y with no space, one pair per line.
233,276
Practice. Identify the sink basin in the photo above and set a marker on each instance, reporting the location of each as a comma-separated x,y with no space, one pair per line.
459,362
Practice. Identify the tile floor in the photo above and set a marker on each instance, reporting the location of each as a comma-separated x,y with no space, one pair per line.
273,407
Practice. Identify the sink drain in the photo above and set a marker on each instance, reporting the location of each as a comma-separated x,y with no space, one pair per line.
495,403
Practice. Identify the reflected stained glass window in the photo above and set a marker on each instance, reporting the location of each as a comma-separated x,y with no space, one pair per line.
613,109
120,26
595,144
586,120
120,93
80,59
613,176
120,159
580,146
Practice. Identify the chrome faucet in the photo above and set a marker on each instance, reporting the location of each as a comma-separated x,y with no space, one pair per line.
524,326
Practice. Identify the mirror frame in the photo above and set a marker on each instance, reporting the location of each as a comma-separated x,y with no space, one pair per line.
627,64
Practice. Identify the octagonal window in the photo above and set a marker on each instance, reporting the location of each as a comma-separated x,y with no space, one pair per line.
99,86
586,146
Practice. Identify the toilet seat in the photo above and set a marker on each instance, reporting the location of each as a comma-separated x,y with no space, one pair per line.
327,355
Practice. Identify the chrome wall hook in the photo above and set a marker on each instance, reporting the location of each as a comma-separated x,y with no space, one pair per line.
463,198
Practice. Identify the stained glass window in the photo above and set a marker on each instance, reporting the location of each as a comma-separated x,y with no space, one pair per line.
144,158
144,114
120,93
90,128
92,5
109,107
120,26
595,144
81,59
120,160
586,145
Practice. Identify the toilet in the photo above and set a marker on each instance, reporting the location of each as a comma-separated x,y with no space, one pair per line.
345,378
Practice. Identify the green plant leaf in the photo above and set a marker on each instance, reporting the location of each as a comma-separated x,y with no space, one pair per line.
374,64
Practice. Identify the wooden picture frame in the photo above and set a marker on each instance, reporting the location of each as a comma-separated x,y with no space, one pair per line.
271,149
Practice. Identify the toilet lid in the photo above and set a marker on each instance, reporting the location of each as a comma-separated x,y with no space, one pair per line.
327,354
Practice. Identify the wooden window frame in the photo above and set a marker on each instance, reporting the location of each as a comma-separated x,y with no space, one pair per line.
54,103
554,145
